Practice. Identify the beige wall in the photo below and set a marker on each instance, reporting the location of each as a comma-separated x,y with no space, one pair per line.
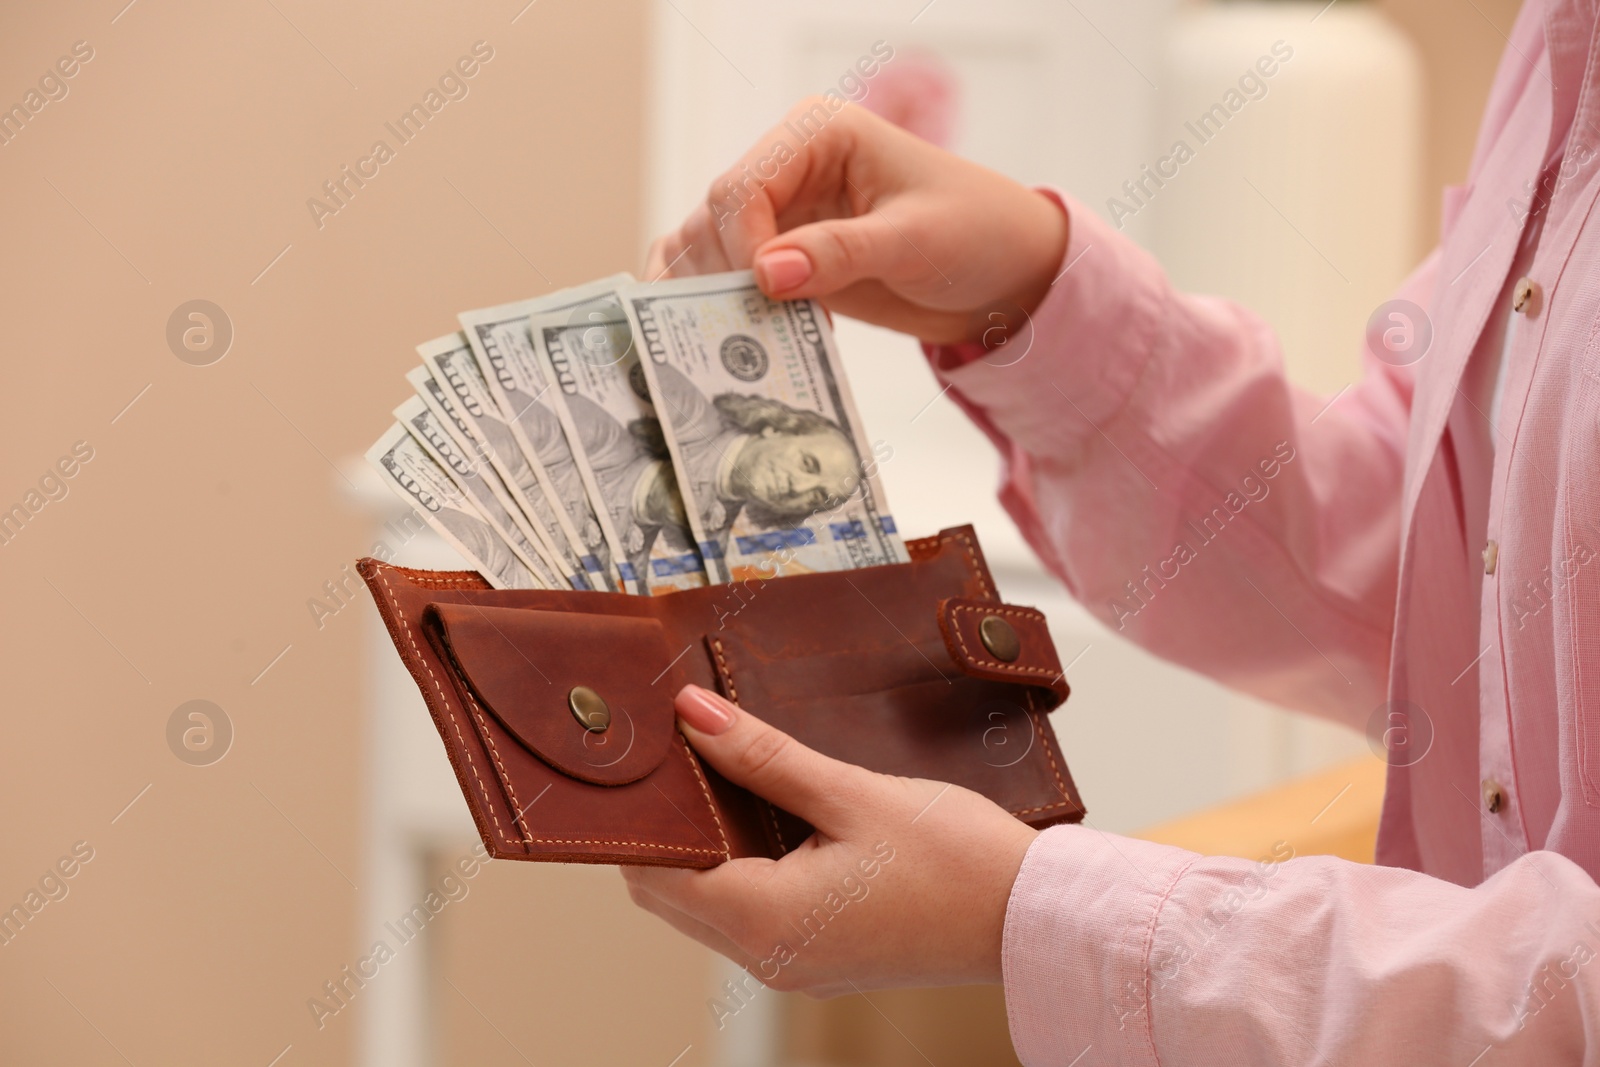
1460,45
191,541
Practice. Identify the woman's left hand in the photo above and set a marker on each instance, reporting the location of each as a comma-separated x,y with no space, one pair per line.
905,881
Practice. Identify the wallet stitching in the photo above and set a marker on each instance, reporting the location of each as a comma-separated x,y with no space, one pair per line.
494,750
527,836
1028,811
1033,711
727,674
972,560
455,580
1038,726
776,830
705,788
997,664
454,722
505,777
733,694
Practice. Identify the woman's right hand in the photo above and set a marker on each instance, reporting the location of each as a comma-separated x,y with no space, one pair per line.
876,223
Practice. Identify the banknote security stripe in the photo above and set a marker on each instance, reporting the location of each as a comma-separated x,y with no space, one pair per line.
688,563
847,531
774,540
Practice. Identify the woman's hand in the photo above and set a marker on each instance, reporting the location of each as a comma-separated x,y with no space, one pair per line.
905,881
875,222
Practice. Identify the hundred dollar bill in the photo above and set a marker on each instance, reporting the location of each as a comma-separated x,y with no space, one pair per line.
504,352
771,457
604,406
450,360
422,483
469,476
449,419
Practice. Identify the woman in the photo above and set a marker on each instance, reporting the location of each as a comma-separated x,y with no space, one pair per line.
1427,552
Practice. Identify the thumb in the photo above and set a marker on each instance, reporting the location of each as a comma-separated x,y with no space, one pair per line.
767,761
821,258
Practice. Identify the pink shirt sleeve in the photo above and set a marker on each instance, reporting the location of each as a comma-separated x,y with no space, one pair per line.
1158,461
1126,952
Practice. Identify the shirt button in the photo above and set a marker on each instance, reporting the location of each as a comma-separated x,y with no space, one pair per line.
1491,553
1494,798
1525,296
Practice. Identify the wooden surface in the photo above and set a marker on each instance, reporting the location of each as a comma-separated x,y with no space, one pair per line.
1334,813
181,562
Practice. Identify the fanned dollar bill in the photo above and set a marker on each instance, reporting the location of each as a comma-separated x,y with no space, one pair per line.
603,402
451,361
504,353
773,463
427,487
439,401
488,499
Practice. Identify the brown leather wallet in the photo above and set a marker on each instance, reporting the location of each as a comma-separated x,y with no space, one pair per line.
556,706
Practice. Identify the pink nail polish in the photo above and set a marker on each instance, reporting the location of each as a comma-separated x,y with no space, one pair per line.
785,269
704,710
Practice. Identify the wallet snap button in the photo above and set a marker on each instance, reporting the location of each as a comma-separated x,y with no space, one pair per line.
999,638
589,708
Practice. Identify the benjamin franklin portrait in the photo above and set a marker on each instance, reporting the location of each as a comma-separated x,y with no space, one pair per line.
755,457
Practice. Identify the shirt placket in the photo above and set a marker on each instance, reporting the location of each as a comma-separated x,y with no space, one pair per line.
1569,36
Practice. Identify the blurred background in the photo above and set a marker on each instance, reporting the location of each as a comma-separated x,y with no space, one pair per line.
242,860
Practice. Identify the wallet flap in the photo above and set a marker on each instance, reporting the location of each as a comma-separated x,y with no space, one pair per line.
1002,643
525,664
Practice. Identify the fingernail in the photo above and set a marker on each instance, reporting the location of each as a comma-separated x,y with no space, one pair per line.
785,269
704,710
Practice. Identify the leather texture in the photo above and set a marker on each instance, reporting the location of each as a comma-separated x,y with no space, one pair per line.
884,667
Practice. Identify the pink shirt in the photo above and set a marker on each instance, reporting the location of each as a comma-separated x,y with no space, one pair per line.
1331,557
